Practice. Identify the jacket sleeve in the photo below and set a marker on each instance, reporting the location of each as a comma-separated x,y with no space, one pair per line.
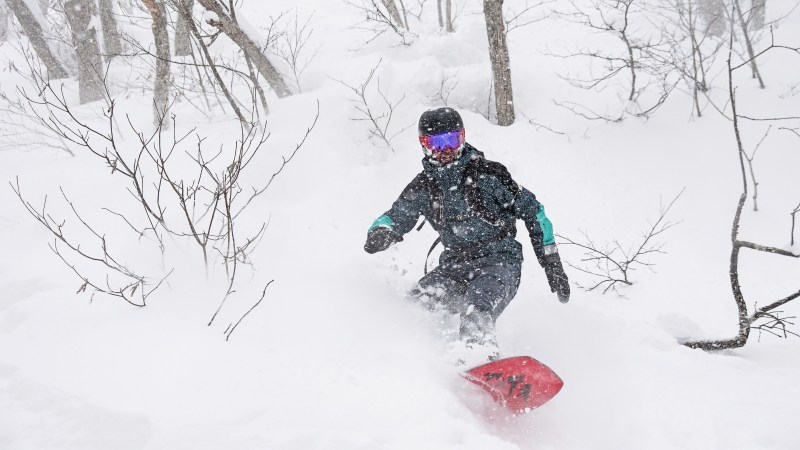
540,229
405,211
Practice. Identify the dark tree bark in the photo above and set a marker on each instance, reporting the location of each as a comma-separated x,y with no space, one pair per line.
90,67
33,31
248,46
501,64
112,46
162,77
183,33
439,13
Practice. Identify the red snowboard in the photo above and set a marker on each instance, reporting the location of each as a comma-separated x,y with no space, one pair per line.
519,383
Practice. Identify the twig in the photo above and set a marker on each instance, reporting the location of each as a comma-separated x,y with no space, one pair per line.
231,329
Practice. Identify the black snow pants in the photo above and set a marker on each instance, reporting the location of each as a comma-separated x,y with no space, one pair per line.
488,283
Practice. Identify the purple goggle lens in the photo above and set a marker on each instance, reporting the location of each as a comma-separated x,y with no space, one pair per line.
443,141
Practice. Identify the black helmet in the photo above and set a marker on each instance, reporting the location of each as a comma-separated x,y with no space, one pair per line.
439,120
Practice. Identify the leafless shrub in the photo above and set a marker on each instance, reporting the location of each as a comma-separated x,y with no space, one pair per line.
20,127
446,87
199,205
116,280
611,264
380,117
292,44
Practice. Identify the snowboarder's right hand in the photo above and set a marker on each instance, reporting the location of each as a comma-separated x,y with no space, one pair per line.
380,238
556,278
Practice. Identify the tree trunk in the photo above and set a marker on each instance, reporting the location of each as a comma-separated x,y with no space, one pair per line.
111,42
210,61
501,64
264,66
394,13
748,43
439,12
162,76
449,15
183,33
84,37
33,31
3,22
712,13
759,13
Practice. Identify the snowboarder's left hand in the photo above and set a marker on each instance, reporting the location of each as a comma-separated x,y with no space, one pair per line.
380,238
556,278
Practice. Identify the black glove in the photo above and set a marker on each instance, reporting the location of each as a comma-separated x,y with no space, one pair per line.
556,277
380,238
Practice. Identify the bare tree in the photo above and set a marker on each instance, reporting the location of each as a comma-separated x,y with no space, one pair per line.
692,50
183,33
84,37
112,45
210,64
162,76
33,31
766,318
226,24
643,60
501,63
251,72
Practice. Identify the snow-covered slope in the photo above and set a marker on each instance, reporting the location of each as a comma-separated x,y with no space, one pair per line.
334,358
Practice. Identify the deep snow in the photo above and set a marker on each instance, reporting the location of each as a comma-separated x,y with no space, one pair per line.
333,358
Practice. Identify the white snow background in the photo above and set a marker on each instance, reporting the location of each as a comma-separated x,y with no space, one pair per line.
334,357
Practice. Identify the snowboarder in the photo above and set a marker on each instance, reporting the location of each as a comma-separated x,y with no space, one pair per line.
473,204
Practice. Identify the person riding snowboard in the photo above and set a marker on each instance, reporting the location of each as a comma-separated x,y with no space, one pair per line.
473,204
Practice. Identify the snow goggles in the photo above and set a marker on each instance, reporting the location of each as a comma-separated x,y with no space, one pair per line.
443,141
